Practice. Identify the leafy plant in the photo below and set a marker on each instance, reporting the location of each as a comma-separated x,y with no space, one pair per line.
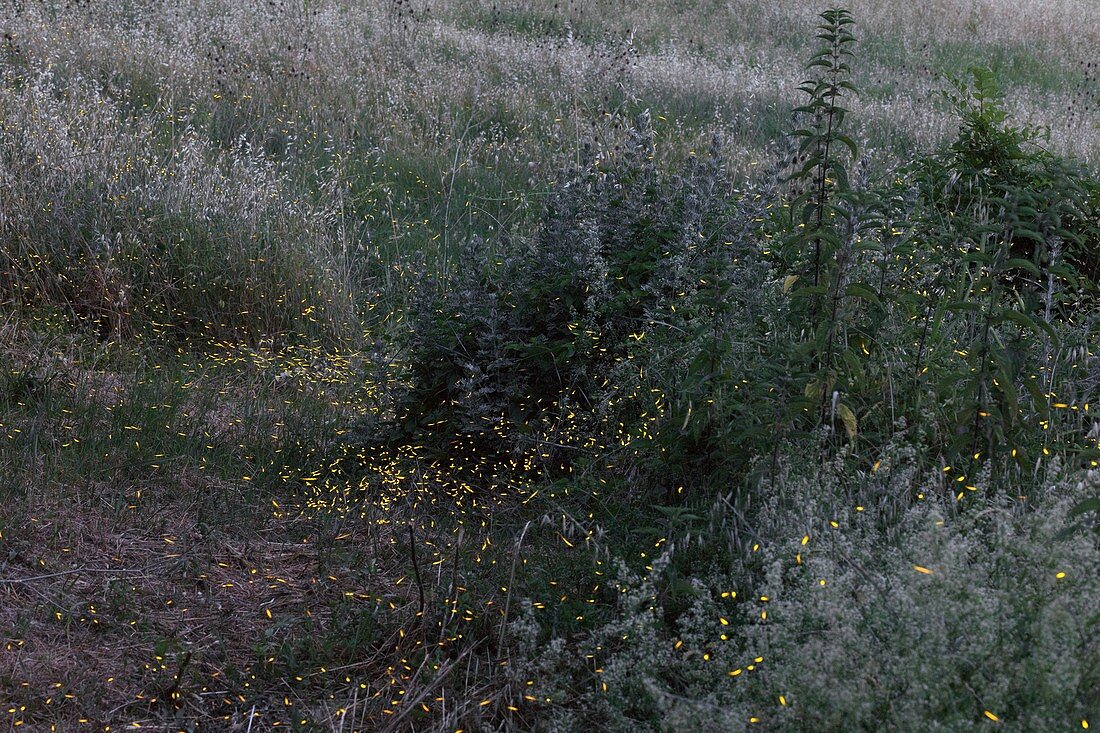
1002,240
541,345
828,213
823,167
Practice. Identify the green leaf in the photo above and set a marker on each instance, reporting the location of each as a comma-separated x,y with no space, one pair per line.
1025,321
1029,234
678,513
1062,270
1088,505
1070,531
982,258
968,306
859,290
1033,389
1019,262
809,291
841,174
855,369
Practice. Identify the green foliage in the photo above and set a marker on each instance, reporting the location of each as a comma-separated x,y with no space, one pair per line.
570,340
926,627
1080,514
1002,222
994,168
827,213
925,318
822,166
678,328
24,384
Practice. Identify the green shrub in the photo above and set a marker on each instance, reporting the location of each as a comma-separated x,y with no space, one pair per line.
540,345
997,271
915,338
997,184
677,328
954,612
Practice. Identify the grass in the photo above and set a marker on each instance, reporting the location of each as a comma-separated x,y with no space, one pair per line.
223,229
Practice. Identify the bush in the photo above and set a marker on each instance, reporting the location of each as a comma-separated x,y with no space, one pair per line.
954,613
996,182
539,346
674,328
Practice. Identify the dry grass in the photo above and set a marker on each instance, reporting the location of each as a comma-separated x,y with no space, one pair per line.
148,617
532,73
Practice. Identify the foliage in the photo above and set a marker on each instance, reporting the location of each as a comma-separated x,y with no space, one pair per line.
923,318
626,327
1003,265
569,332
938,624
996,168
791,432
827,212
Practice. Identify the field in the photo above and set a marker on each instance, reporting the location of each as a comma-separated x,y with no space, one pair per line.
455,365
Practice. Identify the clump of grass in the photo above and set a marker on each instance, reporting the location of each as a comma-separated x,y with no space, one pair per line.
141,237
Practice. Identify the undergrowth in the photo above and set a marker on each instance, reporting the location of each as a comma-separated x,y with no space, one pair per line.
929,322
337,394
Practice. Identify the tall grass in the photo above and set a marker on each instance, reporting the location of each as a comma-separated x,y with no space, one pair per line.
115,224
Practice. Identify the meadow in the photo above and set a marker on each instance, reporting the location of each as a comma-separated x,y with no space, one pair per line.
456,365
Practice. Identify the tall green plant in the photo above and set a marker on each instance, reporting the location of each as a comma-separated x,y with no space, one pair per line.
824,167
826,217
1005,222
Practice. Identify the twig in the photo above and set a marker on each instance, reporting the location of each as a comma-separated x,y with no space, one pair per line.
33,578
452,596
416,568
511,582
409,705
179,676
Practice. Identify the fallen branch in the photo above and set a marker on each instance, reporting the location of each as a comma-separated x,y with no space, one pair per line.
74,571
